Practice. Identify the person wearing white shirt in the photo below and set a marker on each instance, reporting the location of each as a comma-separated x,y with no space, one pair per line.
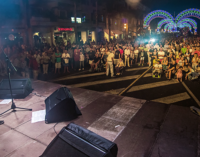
82,58
127,55
165,47
161,54
148,45
37,57
157,46
88,48
102,50
110,61
65,57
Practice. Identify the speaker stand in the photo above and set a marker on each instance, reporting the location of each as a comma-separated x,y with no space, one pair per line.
13,106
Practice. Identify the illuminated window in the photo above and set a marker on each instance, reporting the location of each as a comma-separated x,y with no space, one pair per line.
78,20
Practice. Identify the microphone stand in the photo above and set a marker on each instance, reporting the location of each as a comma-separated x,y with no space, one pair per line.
13,106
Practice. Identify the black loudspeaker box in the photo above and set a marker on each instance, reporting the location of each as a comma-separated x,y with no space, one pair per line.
60,106
20,88
76,141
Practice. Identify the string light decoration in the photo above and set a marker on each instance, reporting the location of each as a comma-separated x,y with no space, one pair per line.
164,21
156,14
192,22
169,25
181,18
170,28
186,25
188,13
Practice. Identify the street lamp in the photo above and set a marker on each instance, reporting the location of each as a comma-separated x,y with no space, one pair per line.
125,26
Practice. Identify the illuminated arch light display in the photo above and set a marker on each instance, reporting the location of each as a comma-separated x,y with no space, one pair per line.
192,22
169,25
186,25
168,18
170,28
164,21
156,14
188,13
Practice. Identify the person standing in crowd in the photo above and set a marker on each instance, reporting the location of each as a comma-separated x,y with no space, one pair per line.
46,60
117,56
77,58
121,52
150,60
33,64
52,61
102,49
88,48
66,57
105,56
58,62
132,56
136,52
110,61
71,59
24,67
91,54
127,55
38,58
142,57
82,58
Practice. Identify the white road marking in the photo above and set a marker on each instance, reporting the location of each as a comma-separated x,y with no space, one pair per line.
79,76
173,98
134,69
190,92
93,74
151,85
115,91
119,115
108,80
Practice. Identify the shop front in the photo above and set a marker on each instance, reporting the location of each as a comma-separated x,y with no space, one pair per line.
64,35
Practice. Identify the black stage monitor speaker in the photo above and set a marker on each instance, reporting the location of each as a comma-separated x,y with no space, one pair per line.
60,106
75,141
20,88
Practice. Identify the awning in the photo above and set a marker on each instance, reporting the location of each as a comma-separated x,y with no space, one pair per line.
117,32
107,31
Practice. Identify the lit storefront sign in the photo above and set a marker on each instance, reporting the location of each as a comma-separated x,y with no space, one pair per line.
65,29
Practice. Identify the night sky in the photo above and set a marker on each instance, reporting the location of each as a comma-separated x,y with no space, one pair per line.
171,6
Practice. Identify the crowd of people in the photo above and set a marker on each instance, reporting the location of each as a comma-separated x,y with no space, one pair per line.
175,58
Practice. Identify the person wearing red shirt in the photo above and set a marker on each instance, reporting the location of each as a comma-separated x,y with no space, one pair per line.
197,51
121,52
77,58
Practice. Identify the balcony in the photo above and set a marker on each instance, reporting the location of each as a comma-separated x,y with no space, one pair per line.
12,23
40,21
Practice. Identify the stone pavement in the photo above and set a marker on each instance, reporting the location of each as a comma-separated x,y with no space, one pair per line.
140,128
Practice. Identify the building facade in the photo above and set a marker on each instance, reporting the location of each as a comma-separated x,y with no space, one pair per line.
53,21
128,24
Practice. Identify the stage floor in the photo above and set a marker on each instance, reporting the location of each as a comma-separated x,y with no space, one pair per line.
138,127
